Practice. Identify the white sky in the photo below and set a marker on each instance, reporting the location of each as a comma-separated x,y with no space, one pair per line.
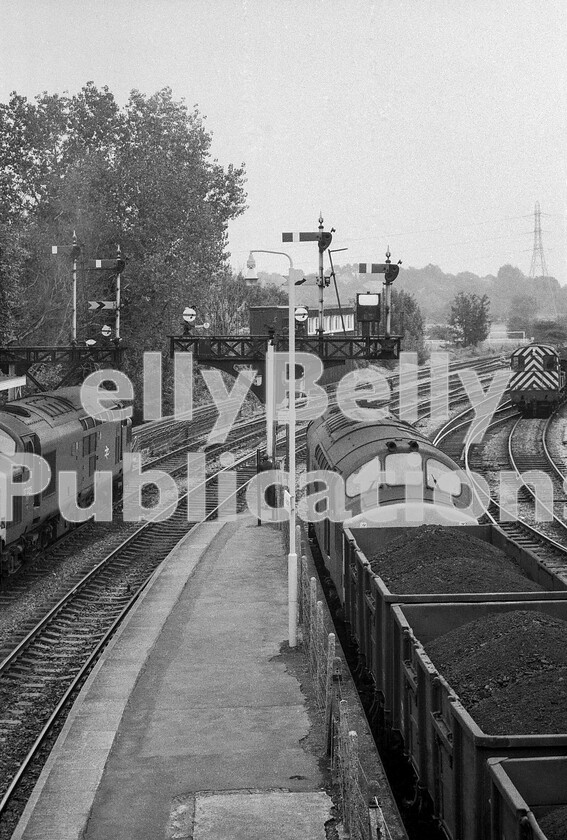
431,125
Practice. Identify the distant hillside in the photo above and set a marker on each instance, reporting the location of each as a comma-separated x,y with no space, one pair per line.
434,290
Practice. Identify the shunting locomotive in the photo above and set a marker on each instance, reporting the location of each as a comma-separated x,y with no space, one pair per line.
538,379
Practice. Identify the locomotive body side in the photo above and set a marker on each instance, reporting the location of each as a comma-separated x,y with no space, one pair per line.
537,382
393,476
55,426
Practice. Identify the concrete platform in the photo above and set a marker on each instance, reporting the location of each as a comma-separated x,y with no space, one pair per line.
191,727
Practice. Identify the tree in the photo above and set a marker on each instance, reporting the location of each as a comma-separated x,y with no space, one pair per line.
141,176
407,321
441,332
228,300
470,314
550,331
522,313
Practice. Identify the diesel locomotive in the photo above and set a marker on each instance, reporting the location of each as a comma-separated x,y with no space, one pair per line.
393,475
538,379
54,425
458,770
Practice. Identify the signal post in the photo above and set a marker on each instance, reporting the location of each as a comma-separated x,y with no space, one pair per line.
230,353
16,361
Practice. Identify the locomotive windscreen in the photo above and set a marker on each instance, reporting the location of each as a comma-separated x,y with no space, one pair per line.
403,468
7,444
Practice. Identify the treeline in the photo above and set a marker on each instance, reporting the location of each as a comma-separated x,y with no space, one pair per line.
434,291
141,177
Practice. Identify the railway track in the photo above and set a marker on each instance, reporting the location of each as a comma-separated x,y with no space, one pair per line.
173,462
40,675
151,437
43,671
549,543
451,437
180,438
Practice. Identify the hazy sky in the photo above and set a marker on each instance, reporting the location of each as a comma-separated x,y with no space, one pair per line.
431,126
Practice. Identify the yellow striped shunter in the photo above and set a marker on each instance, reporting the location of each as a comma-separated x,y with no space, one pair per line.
537,382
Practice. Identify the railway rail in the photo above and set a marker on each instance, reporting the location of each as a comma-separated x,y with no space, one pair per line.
44,670
546,540
41,673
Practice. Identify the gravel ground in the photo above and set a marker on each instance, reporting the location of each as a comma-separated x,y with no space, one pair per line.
429,427
494,459
40,594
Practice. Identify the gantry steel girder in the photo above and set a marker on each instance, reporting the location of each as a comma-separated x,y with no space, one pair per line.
232,353
75,359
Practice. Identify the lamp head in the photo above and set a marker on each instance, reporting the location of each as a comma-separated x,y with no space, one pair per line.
251,275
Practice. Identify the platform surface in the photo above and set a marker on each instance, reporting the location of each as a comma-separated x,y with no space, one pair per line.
192,727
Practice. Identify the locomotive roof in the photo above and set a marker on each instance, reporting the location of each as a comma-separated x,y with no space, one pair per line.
528,349
51,407
349,443
337,425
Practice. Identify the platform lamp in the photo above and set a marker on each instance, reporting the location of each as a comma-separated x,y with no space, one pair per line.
293,278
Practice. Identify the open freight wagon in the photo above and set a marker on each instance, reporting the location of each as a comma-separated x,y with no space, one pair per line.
528,797
447,749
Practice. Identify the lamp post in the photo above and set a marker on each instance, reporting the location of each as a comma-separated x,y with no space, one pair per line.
292,556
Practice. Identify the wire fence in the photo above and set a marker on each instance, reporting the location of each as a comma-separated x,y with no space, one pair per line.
358,806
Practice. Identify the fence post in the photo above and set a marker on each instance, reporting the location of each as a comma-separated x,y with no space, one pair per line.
333,701
352,772
376,821
329,666
343,760
312,621
301,559
319,655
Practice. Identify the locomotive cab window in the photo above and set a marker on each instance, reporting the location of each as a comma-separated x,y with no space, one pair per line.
403,468
7,444
364,478
443,477
550,363
400,469
518,363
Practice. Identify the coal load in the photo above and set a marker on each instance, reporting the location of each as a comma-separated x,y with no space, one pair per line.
509,670
554,824
435,559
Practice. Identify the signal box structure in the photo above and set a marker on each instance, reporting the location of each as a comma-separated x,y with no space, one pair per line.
337,321
265,319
